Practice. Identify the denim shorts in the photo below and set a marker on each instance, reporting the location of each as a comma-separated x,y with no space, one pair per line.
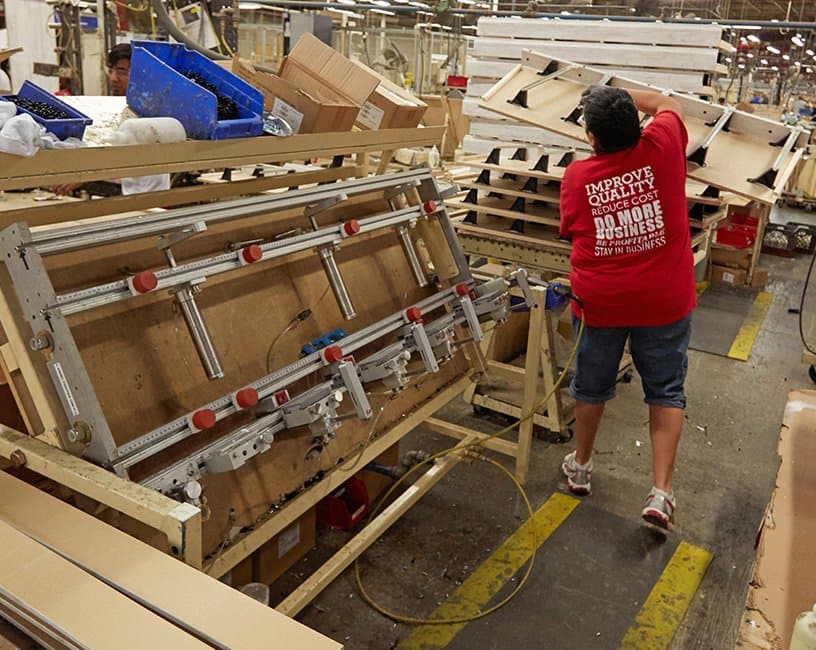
659,354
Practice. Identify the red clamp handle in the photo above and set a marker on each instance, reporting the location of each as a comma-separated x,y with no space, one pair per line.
351,227
203,419
251,254
144,282
245,398
332,354
413,314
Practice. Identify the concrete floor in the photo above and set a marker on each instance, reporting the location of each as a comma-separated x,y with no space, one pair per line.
724,477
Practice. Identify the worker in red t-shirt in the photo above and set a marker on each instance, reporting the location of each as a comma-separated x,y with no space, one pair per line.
625,210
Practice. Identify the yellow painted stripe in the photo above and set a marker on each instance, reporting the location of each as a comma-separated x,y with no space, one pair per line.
664,609
489,578
744,341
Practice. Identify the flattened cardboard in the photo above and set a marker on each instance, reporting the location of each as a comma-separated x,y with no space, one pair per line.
784,575
214,609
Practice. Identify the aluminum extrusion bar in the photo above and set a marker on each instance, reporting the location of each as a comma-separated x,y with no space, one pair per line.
195,271
58,240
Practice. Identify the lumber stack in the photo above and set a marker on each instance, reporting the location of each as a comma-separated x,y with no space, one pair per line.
685,58
508,210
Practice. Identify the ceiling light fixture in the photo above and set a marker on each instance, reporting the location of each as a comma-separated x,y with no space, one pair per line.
772,49
797,41
754,38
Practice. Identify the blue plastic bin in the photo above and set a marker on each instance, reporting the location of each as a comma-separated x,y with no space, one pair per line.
157,87
73,127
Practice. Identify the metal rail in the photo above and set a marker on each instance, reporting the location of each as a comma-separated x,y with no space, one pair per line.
176,276
60,240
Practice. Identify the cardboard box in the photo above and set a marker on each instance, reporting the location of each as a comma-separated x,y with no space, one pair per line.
383,104
316,109
760,278
728,275
286,548
738,258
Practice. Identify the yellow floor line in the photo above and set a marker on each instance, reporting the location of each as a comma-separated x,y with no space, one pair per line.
664,609
493,574
744,341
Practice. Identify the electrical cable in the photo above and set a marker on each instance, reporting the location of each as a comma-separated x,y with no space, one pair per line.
410,620
802,305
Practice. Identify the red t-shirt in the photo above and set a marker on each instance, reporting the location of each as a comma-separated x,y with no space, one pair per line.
626,213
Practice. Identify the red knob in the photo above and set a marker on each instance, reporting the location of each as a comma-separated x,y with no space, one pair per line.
462,289
281,397
413,314
145,281
246,397
429,206
204,419
252,253
351,227
332,354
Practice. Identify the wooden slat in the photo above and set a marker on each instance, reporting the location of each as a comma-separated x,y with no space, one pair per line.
63,595
642,56
98,163
500,207
511,188
496,227
50,212
647,33
519,167
196,601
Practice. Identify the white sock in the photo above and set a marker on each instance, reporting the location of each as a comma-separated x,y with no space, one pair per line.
663,493
584,466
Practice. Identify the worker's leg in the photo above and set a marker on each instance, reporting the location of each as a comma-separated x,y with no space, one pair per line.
587,422
665,425
661,357
596,369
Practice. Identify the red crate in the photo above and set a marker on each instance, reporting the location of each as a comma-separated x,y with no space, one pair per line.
737,236
344,507
457,81
746,220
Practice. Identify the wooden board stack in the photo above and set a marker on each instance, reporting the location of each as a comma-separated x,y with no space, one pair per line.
685,58
509,210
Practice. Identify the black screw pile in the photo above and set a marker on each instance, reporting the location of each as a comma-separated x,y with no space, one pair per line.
227,109
41,109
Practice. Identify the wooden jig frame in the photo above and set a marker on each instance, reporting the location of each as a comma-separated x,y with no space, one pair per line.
181,522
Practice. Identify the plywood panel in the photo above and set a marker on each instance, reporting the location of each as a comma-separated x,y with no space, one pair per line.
145,370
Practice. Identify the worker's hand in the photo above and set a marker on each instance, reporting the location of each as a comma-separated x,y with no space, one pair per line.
65,190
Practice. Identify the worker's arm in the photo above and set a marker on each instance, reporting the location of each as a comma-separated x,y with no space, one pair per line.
651,103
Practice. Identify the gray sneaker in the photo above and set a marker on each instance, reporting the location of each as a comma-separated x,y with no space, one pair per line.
577,476
659,510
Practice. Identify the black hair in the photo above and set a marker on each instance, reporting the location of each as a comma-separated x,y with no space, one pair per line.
610,115
118,53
